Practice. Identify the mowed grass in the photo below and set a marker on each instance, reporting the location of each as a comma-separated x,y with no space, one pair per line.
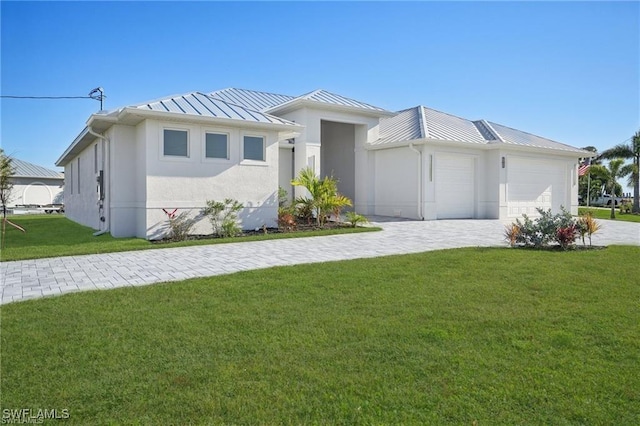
54,235
497,336
605,213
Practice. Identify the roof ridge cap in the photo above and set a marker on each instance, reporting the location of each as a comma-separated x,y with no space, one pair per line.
422,118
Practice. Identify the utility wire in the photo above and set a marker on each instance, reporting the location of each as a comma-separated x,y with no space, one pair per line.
47,97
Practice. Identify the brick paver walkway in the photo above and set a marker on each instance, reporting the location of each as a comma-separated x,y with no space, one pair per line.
53,276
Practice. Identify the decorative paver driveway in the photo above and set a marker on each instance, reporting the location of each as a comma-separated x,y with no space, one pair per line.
53,276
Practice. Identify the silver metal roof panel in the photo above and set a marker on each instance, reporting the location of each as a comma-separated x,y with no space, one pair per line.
518,137
259,101
334,99
448,127
26,169
200,104
403,126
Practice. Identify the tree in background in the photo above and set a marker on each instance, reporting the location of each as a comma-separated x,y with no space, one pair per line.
6,185
629,151
590,185
610,176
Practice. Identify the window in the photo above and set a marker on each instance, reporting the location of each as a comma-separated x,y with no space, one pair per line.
78,174
254,148
70,178
216,145
95,158
176,143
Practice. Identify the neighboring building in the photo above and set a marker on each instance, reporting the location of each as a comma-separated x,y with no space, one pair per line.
35,185
129,165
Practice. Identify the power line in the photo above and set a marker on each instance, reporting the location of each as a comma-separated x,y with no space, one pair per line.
46,97
96,94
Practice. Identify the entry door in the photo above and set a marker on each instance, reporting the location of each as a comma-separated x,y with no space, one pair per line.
455,186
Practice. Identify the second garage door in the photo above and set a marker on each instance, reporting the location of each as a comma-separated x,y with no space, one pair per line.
455,186
535,183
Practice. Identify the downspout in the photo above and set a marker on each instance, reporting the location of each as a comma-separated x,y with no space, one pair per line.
101,202
411,147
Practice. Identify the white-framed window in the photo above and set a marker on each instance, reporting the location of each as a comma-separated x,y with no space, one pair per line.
216,145
175,143
253,148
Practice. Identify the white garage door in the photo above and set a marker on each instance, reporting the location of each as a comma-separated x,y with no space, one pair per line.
455,186
533,183
36,193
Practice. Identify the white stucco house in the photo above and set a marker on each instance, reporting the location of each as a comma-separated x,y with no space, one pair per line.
130,165
35,185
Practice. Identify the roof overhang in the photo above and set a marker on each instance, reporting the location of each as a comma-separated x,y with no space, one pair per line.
302,103
132,116
484,147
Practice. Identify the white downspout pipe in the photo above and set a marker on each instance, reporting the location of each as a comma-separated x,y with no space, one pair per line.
412,148
106,139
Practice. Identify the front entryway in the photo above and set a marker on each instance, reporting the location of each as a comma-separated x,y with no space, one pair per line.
337,155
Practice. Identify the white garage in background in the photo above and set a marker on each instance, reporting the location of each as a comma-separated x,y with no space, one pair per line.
35,185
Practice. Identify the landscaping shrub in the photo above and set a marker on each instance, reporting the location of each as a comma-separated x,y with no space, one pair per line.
587,225
354,219
180,226
548,228
286,219
223,216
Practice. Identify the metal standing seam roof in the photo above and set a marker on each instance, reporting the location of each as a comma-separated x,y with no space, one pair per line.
331,98
265,102
517,137
202,105
25,169
426,123
259,101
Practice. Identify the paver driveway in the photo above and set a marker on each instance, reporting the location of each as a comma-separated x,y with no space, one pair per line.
53,276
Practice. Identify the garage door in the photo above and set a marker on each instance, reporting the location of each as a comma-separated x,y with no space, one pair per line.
455,186
36,193
533,183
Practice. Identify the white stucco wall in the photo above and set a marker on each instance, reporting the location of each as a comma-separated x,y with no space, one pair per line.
396,182
80,191
124,179
187,183
36,191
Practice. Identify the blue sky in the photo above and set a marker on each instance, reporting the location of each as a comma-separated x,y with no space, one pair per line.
568,71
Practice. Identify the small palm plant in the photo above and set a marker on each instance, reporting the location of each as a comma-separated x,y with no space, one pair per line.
324,198
354,219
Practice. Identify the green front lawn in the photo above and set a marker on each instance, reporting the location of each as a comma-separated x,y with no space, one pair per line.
605,213
53,235
497,336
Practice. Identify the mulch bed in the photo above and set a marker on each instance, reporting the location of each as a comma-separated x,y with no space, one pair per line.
300,228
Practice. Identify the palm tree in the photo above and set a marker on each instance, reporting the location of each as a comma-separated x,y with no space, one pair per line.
610,175
630,151
324,197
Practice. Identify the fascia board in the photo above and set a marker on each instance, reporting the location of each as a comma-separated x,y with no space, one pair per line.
62,161
487,147
170,116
